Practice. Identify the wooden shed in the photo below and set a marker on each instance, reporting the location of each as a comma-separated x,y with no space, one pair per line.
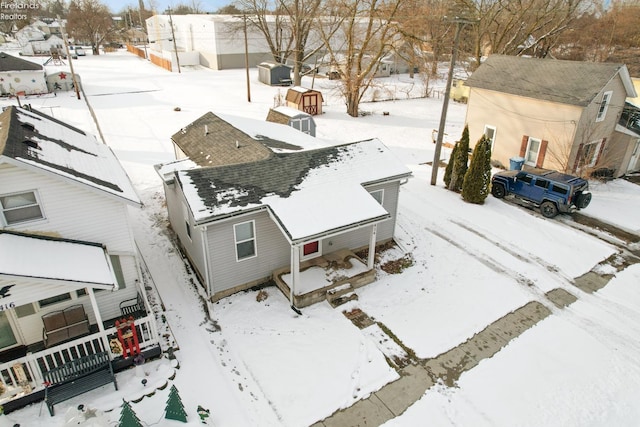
303,99
292,117
273,74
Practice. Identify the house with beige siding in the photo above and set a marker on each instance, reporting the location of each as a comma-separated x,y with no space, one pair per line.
554,114
69,267
256,203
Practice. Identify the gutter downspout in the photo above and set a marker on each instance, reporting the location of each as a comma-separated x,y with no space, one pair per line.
205,254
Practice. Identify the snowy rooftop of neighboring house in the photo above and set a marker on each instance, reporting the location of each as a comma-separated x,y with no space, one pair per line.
290,112
55,259
221,139
13,63
34,139
309,192
567,82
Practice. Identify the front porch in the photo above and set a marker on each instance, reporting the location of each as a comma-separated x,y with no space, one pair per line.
22,368
329,277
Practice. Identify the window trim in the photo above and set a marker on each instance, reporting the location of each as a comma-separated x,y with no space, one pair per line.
253,238
595,156
526,152
38,204
604,105
495,131
312,254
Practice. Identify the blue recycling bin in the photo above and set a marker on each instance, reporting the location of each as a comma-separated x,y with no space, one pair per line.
516,163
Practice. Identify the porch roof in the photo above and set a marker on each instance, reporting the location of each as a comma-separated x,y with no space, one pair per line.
54,259
310,193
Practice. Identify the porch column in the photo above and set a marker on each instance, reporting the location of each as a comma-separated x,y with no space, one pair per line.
295,271
372,246
96,313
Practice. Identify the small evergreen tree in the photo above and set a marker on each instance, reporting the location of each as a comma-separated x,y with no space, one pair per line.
449,168
175,409
477,180
128,418
460,162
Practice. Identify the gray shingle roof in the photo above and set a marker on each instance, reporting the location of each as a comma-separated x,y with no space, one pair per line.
212,141
566,82
279,175
13,63
35,139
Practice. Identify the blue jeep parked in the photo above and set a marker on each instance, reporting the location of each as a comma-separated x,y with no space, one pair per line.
551,191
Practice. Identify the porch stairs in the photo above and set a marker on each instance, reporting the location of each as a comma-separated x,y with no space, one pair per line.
341,294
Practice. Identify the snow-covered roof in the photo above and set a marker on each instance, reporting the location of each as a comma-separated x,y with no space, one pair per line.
13,63
309,192
37,140
221,139
41,257
291,112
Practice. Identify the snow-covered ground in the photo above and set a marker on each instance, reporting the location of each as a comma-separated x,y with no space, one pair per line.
257,363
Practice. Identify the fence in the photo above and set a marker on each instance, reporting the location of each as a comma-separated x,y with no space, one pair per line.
136,51
161,62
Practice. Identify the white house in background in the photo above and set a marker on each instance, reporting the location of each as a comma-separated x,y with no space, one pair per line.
253,201
19,76
69,266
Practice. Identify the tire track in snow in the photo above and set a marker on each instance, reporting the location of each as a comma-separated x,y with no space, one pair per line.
511,250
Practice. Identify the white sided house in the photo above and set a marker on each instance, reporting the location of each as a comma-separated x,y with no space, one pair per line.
22,77
253,202
69,267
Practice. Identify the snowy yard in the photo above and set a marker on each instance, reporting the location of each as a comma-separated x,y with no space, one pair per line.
258,363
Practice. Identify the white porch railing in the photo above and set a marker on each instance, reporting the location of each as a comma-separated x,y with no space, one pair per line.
24,375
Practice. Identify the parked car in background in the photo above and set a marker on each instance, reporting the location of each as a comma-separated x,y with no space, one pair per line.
553,192
79,50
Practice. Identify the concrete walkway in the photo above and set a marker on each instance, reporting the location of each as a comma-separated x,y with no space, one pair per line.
416,378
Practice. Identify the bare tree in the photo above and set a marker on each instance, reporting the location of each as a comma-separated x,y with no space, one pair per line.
288,30
518,27
90,20
369,31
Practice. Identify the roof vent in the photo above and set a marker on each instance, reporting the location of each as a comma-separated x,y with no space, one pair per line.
206,130
237,144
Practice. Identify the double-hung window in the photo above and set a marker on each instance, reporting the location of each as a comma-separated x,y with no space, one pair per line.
20,207
245,238
604,104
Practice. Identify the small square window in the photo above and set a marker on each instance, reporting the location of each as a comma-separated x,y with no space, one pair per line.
21,207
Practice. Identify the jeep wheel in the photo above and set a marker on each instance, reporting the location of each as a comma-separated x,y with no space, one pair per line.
548,209
498,191
583,200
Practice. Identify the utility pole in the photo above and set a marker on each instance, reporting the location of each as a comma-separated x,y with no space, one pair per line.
173,35
66,48
460,22
246,56
144,30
